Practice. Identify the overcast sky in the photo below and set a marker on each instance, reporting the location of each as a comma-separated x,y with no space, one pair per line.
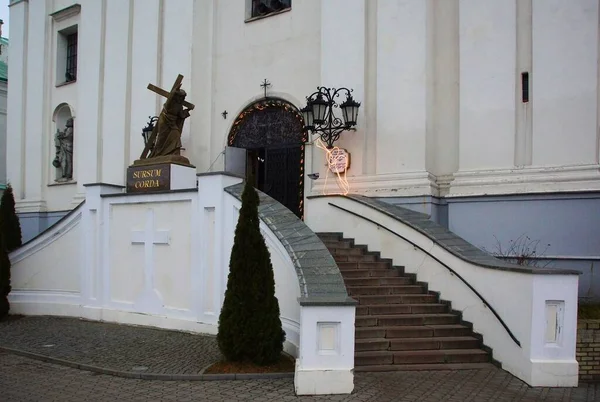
4,16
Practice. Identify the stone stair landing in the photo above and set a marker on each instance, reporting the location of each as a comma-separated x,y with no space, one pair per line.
400,325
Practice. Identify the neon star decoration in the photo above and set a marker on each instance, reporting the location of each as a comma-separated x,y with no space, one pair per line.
337,163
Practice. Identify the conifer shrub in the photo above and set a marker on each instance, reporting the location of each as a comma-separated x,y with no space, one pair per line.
9,221
4,279
249,324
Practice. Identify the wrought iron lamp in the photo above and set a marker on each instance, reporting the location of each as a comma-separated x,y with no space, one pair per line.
319,117
147,131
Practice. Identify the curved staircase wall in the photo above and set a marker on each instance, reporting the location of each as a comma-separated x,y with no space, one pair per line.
521,331
44,275
86,266
162,259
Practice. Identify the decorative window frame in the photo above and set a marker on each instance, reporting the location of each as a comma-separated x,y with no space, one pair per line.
65,22
250,18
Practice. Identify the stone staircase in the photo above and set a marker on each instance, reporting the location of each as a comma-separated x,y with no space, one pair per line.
400,325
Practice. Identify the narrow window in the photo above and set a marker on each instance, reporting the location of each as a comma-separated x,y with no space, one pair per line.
525,87
66,55
262,8
71,70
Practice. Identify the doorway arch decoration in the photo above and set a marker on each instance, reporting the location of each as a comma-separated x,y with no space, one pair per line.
272,123
278,112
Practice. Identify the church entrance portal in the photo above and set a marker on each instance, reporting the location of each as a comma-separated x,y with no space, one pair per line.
267,141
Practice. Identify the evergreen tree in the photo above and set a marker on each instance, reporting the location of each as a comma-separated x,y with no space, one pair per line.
249,324
4,279
9,221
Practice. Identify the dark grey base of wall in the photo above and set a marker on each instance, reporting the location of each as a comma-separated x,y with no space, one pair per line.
34,223
563,229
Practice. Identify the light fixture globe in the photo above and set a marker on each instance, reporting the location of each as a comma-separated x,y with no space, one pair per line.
319,109
320,119
350,111
307,114
147,131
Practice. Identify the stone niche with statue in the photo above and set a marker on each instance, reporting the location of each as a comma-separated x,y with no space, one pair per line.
161,166
63,144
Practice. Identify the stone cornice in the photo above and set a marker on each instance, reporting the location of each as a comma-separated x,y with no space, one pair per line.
66,13
526,180
15,2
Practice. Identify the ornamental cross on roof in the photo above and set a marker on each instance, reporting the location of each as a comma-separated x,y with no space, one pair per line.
265,84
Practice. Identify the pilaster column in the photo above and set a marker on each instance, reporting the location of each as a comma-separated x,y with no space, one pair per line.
343,37
90,93
487,84
403,78
35,113
15,142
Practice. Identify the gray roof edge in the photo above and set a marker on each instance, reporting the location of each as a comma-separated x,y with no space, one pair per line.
308,275
327,301
410,218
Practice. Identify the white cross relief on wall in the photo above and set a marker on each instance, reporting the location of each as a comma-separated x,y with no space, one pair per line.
150,300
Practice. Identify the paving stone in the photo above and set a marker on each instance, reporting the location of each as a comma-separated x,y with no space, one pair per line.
111,346
123,346
23,379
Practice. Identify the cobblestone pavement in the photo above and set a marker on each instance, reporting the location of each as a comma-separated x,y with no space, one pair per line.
23,379
123,347
112,346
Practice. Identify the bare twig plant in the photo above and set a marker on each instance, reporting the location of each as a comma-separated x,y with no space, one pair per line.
522,251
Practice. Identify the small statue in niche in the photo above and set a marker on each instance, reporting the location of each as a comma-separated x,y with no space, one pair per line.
63,142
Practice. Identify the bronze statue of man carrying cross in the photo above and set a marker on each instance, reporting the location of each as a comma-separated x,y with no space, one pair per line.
165,140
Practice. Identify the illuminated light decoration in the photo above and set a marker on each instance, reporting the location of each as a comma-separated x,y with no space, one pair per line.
336,159
339,160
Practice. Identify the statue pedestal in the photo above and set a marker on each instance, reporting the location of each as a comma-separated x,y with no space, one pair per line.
151,175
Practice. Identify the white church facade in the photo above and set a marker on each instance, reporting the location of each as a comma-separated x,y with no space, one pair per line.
483,115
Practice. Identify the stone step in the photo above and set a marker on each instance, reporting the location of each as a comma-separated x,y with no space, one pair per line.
399,324
425,367
397,299
421,356
405,320
356,258
383,309
371,281
333,244
384,290
412,331
432,343
329,236
375,273
363,345
365,265
347,251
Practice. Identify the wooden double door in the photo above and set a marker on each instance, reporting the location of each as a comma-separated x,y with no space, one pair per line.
267,141
277,172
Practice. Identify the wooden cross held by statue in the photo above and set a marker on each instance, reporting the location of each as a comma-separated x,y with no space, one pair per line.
167,95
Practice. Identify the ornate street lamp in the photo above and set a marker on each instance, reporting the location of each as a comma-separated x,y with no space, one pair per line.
319,118
147,131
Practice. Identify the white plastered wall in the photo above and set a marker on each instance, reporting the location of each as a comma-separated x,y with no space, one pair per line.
94,262
439,86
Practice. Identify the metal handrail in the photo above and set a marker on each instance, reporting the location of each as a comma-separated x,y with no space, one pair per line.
512,336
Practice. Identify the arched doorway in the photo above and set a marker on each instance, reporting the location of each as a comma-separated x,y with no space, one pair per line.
271,131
